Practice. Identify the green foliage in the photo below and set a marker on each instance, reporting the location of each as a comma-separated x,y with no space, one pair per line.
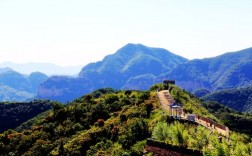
138,148
225,71
159,86
239,99
190,103
88,125
116,123
201,138
111,98
34,121
12,114
201,92
100,148
175,133
144,95
102,91
136,131
161,132
237,121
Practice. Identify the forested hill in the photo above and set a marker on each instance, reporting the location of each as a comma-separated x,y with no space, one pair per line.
235,120
12,114
239,99
136,66
229,70
112,122
118,70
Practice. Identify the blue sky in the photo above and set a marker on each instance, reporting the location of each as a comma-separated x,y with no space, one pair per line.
77,32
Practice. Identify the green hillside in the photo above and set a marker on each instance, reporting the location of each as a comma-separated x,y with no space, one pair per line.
111,122
237,121
134,66
12,114
239,99
228,70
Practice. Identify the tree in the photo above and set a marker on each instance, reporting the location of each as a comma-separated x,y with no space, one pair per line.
111,98
61,149
161,132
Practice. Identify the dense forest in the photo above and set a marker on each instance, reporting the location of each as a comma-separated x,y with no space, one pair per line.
12,114
235,120
111,122
239,99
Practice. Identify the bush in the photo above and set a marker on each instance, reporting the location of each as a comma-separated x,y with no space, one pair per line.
111,98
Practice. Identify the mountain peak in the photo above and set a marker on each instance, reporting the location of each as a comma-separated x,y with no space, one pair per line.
134,45
131,48
5,69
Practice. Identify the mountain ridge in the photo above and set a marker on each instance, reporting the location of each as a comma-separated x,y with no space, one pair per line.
15,86
228,70
136,66
116,122
47,68
132,60
239,99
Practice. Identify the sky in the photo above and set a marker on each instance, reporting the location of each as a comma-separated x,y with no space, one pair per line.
77,32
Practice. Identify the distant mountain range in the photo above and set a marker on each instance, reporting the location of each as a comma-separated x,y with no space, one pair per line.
125,69
18,87
136,66
233,69
239,99
47,68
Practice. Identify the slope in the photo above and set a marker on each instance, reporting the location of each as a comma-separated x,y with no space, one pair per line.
111,122
225,71
15,113
131,62
239,99
18,87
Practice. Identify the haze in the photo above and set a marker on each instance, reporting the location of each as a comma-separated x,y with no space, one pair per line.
77,32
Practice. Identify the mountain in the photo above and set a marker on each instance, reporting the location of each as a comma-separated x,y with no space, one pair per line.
36,78
18,87
238,121
239,99
229,70
11,94
12,114
136,66
15,80
47,68
64,88
201,92
114,122
141,82
130,61
126,68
